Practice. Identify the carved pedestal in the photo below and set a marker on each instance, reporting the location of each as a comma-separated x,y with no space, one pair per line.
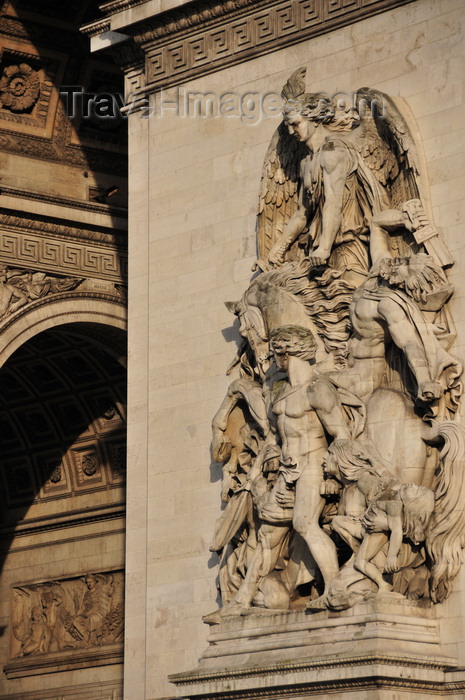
377,647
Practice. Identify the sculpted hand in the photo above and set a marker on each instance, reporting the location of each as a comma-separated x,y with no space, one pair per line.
374,522
285,498
276,256
414,216
391,565
330,487
319,256
429,391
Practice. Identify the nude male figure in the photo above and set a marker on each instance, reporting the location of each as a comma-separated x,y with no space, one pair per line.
305,407
386,308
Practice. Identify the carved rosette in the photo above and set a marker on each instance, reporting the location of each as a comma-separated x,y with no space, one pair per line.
19,88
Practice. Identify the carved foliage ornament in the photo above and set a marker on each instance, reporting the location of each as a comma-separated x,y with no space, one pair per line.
19,88
346,337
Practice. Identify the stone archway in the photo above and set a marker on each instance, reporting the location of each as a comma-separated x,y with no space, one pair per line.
63,273
62,476
75,307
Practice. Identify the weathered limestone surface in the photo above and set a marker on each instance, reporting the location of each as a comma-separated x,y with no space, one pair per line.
63,260
194,185
261,655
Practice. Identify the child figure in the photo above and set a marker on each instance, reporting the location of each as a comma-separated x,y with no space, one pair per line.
393,515
376,508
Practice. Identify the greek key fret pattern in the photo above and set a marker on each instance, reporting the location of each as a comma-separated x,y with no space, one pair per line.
69,258
196,52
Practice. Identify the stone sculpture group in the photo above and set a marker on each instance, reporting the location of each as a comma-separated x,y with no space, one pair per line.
341,451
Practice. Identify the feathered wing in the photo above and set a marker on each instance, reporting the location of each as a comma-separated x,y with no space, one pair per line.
388,146
279,188
295,86
113,625
279,183
446,536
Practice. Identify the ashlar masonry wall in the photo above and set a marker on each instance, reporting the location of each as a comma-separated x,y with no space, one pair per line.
194,185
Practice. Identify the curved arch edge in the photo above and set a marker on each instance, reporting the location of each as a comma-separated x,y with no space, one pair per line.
58,312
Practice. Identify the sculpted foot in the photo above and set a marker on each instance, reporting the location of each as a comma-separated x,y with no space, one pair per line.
233,608
320,603
213,618
390,593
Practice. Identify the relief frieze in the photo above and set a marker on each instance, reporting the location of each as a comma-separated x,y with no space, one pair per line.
191,42
55,621
21,287
99,260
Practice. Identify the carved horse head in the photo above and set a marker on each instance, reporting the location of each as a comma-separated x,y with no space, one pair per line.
252,326
267,305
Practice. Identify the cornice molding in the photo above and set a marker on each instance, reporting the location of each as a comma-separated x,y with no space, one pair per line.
61,229
96,27
373,671
53,662
201,16
110,8
108,689
375,682
442,664
60,521
64,202
203,37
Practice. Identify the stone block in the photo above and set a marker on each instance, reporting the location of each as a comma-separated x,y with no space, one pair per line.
380,637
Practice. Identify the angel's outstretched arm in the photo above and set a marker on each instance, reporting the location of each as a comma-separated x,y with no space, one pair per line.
405,335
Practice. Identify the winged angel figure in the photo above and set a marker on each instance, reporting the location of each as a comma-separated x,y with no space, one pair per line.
352,270
331,167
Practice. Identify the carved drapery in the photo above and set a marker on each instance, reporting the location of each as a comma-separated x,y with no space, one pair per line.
339,438
67,623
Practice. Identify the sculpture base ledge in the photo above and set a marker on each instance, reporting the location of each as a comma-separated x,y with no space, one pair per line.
378,646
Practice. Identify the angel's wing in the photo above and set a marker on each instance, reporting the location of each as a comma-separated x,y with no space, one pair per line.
388,146
280,175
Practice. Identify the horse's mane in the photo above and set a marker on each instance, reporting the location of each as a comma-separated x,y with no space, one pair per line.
446,535
326,299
